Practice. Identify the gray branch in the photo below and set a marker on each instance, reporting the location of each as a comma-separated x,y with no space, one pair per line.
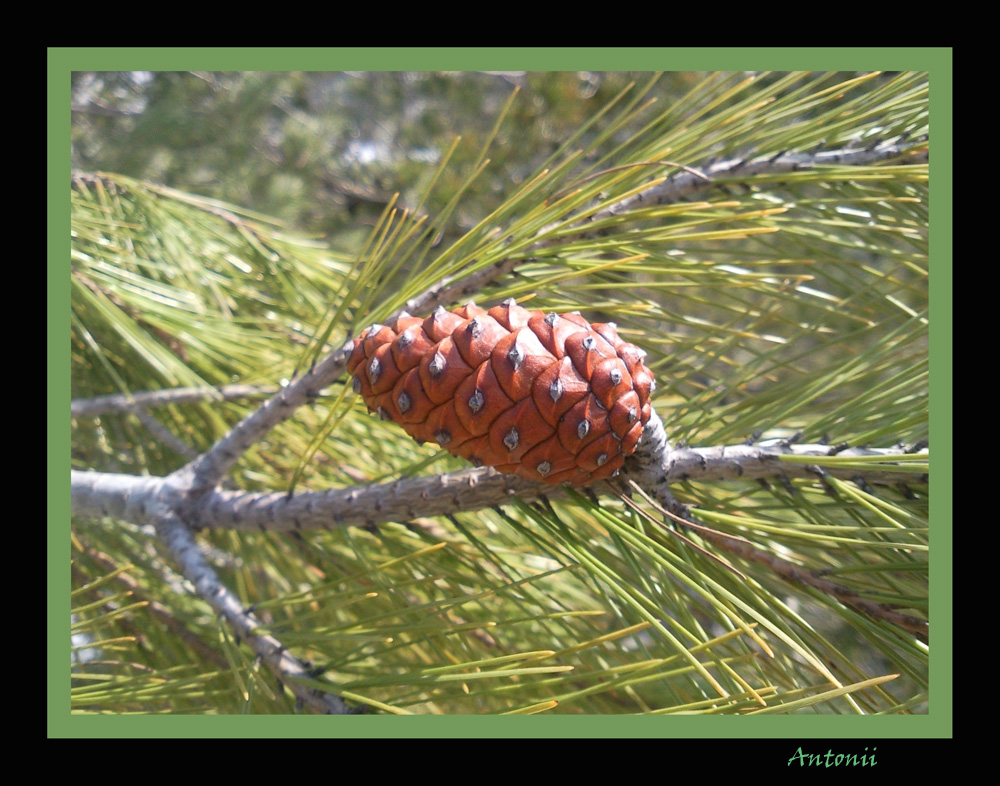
161,501
145,500
99,405
165,435
128,497
656,466
286,667
208,470
655,463
683,184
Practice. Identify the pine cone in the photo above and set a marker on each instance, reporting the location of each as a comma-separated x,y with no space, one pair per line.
546,396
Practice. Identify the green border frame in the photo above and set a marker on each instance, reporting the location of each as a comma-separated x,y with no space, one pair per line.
938,723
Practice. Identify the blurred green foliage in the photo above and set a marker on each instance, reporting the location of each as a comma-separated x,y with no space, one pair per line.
323,150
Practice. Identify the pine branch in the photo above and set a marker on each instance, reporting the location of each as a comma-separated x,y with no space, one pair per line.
155,501
211,467
693,180
128,497
288,669
190,498
677,512
208,469
655,462
653,468
807,578
685,184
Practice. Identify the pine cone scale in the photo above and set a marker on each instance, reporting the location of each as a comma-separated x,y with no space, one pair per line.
442,370
480,399
557,389
518,359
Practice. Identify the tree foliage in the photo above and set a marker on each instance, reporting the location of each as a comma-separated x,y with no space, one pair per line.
775,303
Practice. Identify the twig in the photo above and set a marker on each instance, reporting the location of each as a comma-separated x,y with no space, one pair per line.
161,612
798,575
743,548
134,498
99,405
752,462
692,180
655,467
287,668
211,467
159,500
156,501
208,469
165,435
683,184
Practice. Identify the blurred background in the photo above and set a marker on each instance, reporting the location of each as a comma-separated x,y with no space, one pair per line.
325,151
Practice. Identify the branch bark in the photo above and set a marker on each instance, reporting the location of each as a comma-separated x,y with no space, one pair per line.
99,405
287,668
683,184
130,497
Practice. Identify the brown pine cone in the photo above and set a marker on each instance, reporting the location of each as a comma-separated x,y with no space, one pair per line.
546,396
